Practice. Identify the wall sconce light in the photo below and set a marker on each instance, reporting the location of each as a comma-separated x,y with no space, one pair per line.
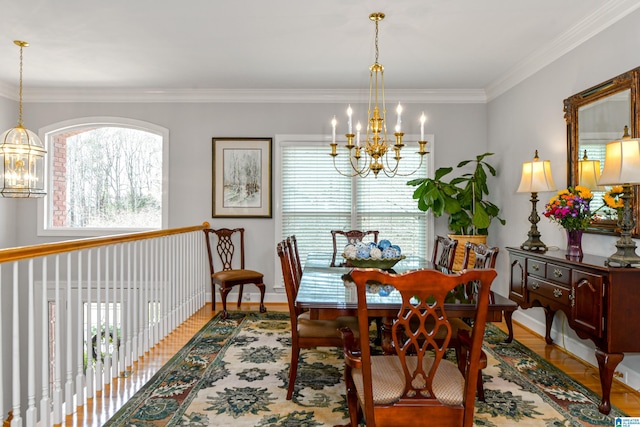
536,177
21,156
622,167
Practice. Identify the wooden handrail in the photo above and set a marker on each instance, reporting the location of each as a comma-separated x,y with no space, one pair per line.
26,252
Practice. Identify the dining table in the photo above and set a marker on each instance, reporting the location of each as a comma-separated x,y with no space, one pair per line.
328,292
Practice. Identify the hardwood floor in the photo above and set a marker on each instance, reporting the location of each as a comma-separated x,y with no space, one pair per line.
102,407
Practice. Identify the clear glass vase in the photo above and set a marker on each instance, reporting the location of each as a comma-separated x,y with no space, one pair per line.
574,244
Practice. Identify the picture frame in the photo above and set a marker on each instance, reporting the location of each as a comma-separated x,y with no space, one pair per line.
241,177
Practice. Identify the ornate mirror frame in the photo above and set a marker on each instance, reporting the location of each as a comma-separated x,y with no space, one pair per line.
626,81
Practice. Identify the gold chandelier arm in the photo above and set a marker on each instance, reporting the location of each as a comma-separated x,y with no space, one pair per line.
357,172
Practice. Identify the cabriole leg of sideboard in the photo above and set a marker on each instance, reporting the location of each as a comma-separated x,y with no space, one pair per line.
607,363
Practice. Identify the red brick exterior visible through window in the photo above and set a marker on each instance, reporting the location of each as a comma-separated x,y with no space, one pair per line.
59,178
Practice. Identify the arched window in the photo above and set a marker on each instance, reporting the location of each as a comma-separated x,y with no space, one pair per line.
104,175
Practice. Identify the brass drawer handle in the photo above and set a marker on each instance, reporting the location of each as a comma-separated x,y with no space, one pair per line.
535,267
557,293
557,273
535,285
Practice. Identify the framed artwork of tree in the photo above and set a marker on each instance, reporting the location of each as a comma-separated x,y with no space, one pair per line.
242,177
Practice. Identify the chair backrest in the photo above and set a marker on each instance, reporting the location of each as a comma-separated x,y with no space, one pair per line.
284,253
421,316
227,239
292,244
479,255
444,254
352,236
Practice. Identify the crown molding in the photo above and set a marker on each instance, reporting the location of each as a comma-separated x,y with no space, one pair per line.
8,91
602,18
249,95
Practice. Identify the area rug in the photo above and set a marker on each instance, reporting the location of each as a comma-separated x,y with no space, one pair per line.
234,372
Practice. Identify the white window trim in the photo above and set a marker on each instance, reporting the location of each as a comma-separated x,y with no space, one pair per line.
282,140
43,203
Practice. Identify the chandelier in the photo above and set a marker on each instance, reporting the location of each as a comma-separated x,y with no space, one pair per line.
21,156
375,150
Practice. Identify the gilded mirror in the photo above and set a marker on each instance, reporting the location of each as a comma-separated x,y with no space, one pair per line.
594,117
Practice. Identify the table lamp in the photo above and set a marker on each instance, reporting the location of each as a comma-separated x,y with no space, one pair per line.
536,177
622,167
589,173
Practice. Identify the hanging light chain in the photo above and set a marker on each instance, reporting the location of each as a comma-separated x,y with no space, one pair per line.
22,45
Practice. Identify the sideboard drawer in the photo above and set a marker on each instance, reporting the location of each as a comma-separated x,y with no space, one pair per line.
536,267
559,273
548,290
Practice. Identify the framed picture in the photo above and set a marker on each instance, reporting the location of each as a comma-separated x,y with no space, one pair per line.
242,177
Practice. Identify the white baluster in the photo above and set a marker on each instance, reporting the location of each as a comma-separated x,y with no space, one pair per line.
17,415
89,347
68,385
99,322
116,336
45,410
107,310
124,320
31,415
80,379
129,318
57,371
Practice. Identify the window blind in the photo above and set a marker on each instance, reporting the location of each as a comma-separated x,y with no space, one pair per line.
315,199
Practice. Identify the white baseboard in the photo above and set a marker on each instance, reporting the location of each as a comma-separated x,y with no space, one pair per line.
582,349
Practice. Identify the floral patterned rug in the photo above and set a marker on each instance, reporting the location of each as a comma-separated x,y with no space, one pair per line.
234,372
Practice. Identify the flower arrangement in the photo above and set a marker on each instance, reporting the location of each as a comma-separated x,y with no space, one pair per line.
612,198
570,208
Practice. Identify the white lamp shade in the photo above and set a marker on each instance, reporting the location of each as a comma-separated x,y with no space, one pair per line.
622,163
536,177
589,174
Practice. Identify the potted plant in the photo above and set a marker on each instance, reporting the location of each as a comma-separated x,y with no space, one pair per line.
462,199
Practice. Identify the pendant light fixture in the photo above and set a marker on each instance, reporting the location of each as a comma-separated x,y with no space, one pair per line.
21,156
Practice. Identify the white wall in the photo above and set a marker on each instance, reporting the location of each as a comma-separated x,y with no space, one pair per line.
530,116
457,127
8,233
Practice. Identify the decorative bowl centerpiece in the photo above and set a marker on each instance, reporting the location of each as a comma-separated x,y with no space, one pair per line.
383,264
383,255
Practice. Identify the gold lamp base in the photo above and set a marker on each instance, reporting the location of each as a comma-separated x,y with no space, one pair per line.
534,243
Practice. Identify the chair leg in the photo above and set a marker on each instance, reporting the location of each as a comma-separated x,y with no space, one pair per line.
240,291
213,296
262,287
293,368
480,387
223,295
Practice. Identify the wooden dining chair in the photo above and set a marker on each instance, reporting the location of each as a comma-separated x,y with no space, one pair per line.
476,255
233,272
418,382
352,236
444,254
292,244
479,255
305,332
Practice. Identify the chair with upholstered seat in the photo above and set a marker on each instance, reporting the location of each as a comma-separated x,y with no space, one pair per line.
479,255
444,253
232,272
292,243
352,236
483,256
305,332
416,383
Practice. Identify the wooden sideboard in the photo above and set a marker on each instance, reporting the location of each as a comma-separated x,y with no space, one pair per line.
601,303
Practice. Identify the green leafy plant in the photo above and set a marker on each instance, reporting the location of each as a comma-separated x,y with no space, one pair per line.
462,198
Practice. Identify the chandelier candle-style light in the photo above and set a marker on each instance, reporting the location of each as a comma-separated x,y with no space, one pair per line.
21,156
375,149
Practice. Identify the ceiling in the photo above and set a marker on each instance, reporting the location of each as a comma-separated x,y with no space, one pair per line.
200,49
